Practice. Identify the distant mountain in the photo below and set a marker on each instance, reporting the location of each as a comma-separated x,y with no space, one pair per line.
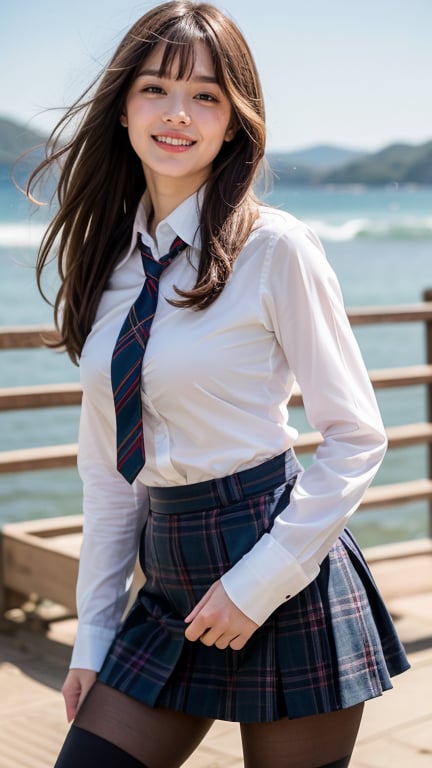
322,164
398,163
15,139
320,157
288,172
306,166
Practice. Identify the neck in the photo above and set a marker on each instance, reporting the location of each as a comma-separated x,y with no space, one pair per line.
165,196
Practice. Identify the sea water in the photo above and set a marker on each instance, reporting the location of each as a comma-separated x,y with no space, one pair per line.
378,240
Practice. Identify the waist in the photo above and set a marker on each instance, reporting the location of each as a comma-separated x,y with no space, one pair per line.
224,491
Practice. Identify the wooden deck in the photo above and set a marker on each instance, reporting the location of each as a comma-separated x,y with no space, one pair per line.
396,731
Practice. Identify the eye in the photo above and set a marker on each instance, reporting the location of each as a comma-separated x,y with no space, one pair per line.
152,89
206,97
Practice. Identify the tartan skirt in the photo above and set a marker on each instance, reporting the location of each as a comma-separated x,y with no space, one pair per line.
331,646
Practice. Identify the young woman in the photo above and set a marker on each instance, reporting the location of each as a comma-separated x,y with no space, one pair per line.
257,605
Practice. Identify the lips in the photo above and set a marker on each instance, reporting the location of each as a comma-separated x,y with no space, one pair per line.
174,141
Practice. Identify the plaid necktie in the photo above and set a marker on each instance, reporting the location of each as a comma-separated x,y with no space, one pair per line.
127,360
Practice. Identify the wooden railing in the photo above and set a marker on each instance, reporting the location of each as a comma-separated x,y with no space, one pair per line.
41,556
55,395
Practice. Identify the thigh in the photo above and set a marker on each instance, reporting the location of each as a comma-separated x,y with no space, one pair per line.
306,742
160,738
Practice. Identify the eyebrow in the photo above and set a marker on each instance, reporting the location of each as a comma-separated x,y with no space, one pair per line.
198,79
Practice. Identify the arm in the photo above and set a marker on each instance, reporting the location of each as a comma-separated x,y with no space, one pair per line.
304,309
114,515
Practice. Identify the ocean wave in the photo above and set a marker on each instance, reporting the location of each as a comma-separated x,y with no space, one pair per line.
28,235
405,228
20,235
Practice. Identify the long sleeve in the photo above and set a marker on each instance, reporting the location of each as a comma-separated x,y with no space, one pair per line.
114,515
304,309
215,385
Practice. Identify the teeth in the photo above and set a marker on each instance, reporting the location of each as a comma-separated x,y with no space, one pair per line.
174,142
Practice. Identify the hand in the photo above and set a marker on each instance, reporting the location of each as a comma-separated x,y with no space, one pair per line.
75,688
216,620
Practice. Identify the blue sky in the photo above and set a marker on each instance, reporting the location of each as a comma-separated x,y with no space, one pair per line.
348,72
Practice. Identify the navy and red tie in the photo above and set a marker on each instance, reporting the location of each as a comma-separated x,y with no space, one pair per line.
127,360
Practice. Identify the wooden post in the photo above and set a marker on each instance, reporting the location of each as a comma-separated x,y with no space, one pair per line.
427,296
2,584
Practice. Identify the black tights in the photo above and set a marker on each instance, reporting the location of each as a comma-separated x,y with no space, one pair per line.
112,730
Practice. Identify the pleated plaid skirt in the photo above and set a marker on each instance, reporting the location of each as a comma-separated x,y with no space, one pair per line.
331,646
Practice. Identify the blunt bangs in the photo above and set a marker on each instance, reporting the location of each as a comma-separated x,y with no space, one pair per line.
178,60
179,38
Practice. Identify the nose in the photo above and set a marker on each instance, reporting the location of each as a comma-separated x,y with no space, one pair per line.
176,113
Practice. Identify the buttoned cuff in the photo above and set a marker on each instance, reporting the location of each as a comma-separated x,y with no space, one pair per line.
91,646
266,577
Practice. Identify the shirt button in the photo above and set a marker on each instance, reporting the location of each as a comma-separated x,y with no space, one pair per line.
287,597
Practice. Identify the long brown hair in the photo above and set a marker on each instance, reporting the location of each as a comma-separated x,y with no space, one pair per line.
101,179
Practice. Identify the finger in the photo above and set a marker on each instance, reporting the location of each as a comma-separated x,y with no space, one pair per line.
196,629
81,699
194,613
213,636
222,643
204,600
239,642
71,703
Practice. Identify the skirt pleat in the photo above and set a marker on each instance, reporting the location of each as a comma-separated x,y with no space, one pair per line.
331,646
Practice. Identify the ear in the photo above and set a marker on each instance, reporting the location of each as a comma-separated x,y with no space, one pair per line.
123,120
230,132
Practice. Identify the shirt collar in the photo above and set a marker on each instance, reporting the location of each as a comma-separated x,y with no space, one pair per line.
182,222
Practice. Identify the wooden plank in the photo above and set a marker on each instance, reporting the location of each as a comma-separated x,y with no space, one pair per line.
41,560
25,336
46,527
63,456
296,398
403,568
398,437
47,457
404,435
40,396
427,296
40,557
392,313
410,375
397,493
28,336
385,378
70,394
48,574
399,550
414,576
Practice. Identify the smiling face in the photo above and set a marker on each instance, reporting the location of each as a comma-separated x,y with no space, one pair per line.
177,126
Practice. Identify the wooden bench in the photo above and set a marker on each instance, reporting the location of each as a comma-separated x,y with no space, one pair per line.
39,568
39,559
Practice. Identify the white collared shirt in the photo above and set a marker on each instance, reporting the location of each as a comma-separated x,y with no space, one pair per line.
215,388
